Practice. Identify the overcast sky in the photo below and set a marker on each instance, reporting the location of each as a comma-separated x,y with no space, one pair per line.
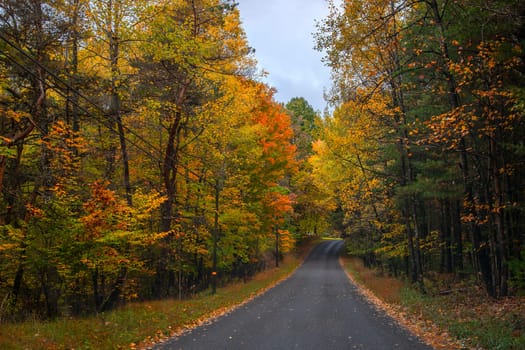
281,33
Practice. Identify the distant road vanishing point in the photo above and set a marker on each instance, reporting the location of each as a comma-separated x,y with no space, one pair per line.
316,308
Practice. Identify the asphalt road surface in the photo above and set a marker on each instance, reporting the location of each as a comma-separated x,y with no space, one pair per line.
316,308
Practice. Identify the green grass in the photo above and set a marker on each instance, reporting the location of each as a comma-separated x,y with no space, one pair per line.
473,319
490,334
137,323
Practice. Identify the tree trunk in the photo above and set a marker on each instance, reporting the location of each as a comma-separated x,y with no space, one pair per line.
2,172
13,204
500,236
115,108
446,237
411,259
72,96
50,281
97,294
417,249
17,283
169,176
118,287
125,159
216,232
169,171
456,233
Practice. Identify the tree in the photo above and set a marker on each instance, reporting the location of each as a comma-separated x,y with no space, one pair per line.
29,33
304,121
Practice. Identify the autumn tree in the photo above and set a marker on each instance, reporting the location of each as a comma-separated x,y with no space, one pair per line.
278,163
188,47
446,74
312,206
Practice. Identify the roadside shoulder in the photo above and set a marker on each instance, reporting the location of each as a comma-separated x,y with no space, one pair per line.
425,330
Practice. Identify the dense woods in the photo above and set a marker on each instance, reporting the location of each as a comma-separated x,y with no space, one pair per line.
140,157
423,155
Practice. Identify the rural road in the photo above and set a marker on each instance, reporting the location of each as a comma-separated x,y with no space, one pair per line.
316,308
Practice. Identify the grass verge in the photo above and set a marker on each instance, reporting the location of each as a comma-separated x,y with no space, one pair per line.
462,318
140,324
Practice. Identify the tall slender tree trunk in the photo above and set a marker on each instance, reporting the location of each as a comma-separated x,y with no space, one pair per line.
116,108
50,280
72,108
411,259
97,293
446,237
417,247
216,233
169,171
125,160
456,233
3,161
404,145
499,253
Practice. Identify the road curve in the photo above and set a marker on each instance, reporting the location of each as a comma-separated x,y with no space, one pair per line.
316,308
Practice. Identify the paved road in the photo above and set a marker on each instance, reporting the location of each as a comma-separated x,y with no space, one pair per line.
316,308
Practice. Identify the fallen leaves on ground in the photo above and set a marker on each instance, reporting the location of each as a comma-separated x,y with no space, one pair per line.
424,329
462,305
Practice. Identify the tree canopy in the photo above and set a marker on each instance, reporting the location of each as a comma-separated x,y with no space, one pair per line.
140,156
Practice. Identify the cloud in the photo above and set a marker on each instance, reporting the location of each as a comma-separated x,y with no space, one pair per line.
282,34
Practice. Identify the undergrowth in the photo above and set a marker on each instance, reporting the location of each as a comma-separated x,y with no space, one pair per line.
472,318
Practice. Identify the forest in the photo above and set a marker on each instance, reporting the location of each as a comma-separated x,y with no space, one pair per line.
141,156
424,155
